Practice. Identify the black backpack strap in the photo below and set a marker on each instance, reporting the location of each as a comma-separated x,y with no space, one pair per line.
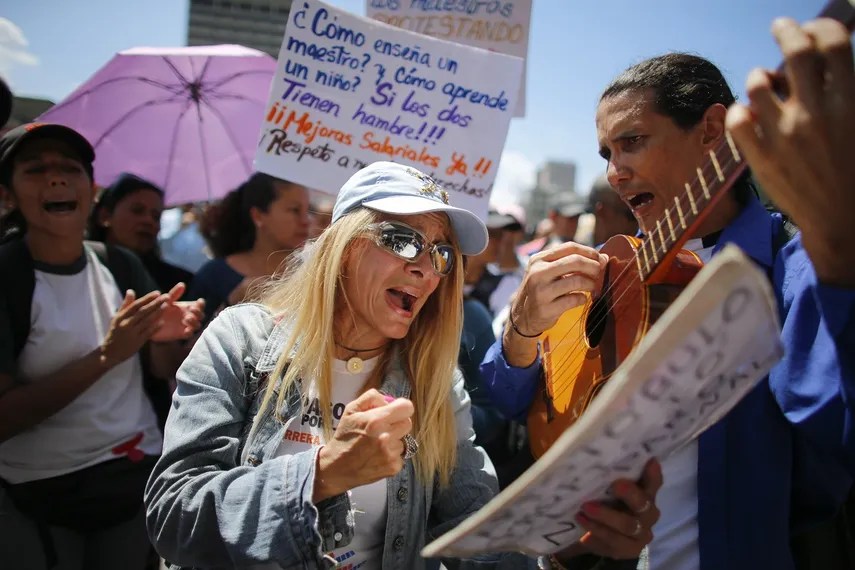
126,267
17,288
115,262
16,292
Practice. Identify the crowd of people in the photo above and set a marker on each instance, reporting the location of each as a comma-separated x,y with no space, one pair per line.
343,381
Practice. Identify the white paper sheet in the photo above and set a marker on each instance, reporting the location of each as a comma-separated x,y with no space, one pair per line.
710,348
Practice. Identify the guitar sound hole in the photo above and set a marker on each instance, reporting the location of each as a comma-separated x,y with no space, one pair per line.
595,325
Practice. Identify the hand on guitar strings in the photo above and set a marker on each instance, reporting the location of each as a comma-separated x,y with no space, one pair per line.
799,145
621,532
555,281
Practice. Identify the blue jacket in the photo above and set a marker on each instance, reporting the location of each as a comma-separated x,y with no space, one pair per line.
785,456
219,497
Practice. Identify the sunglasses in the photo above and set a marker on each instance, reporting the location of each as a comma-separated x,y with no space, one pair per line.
409,243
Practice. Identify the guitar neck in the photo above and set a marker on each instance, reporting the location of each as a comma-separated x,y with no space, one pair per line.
680,220
722,168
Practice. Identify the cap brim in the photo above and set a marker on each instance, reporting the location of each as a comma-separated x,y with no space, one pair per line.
499,221
470,230
572,212
60,132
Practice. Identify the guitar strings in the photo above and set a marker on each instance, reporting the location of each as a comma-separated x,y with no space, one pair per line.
563,376
662,246
628,268
558,380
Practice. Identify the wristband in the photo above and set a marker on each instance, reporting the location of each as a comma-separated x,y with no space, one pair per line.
516,330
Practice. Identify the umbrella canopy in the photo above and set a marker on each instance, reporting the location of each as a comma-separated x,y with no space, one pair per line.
187,118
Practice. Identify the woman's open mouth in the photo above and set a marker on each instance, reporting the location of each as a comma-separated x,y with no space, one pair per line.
401,300
60,206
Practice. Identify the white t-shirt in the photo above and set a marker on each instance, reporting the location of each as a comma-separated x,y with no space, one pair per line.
368,502
70,316
675,546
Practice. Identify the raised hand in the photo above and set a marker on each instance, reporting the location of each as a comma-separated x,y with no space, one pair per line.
180,319
366,445
799,147
133,325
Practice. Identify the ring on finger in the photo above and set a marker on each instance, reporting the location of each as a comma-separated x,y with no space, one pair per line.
411,446
637,529
645,508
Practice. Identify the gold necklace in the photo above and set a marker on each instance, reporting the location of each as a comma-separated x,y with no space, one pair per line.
355,364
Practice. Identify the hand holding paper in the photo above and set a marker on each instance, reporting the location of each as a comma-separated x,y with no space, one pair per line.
709,349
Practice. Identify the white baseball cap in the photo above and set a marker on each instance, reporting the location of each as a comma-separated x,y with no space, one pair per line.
394,188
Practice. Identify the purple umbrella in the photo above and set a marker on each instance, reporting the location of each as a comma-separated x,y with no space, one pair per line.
186,118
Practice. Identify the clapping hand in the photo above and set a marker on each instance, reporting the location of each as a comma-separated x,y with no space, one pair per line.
179,319
133,325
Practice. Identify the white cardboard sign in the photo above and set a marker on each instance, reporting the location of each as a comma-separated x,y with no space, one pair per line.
349,91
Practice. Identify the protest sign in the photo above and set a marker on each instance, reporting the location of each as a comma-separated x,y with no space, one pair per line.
710,348
350,91
495,25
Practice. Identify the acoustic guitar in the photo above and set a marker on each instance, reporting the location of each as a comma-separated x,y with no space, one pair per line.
641,279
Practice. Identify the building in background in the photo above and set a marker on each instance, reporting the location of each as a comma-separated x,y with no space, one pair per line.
258,24
554,178
25,110
557,175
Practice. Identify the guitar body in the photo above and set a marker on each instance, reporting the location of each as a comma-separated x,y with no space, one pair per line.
587,344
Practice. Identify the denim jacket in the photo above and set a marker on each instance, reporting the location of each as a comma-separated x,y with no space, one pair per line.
220,498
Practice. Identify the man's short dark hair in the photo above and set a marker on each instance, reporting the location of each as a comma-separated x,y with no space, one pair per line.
684,86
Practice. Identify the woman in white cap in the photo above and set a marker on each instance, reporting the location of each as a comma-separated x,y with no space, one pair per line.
328,426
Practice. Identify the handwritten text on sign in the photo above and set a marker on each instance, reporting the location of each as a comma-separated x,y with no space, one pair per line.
496,25
349,91
697,370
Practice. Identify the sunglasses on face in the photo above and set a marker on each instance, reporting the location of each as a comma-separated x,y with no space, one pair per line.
408,243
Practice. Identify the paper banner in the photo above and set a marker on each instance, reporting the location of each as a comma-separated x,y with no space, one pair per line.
349,91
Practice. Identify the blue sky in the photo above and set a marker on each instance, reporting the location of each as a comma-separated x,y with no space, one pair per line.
575,48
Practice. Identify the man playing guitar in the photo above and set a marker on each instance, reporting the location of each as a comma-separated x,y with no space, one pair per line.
784,458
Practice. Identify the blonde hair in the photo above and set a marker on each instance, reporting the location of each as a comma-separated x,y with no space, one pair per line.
306,295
